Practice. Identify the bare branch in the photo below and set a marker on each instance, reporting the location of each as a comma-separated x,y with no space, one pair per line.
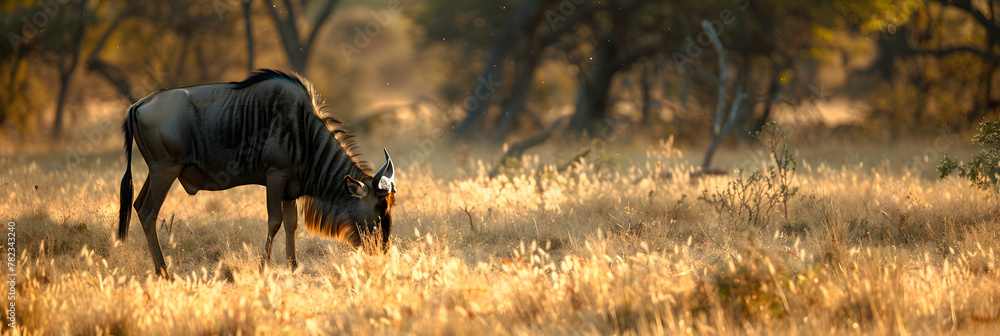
735,112
577,158
989,25
469,213
290,19
104,37
113,75
324,14
720,106
289,36
517,149
984,53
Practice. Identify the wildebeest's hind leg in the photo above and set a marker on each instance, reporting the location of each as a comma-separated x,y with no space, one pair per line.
291,221
142,196
275,190
154,191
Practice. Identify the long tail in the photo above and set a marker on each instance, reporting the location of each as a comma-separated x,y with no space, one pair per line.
125,212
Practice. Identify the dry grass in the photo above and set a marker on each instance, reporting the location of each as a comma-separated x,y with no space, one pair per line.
613,246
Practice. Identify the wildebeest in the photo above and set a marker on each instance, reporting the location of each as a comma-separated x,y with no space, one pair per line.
263,130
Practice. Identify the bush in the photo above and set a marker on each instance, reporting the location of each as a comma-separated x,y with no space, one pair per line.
752,199
984,169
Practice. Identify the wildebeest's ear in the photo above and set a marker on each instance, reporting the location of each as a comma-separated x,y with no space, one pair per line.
354,187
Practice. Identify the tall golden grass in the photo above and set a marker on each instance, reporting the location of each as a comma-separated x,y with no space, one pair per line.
615,244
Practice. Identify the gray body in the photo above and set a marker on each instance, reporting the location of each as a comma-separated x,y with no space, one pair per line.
263,130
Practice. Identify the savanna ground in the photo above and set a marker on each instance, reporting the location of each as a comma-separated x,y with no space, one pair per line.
618,243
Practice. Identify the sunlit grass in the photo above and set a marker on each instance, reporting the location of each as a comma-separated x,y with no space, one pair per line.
611,245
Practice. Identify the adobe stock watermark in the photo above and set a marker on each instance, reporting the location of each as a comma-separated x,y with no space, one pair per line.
613,128
372,29
798,120
221,179
225,6
934,152
483,91
425,147
694,49
235,168
95,136
566,9
11,254
36,24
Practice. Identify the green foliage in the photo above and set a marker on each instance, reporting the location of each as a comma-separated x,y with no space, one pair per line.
947,166
984,168
753,199
511,167
875,15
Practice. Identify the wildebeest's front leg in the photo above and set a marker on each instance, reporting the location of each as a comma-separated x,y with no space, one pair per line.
275,191
290,219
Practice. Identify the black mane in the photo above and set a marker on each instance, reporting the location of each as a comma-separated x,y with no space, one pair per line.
337,127
261,75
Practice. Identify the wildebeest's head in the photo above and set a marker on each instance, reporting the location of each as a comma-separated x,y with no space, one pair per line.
361,215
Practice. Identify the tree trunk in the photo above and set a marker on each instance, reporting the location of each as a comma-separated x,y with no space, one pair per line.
710,152
985,103
774,88
66,75
65,78
115,76
111,73
249,29
181,58
476,105
592,94
646,85
736,116
724,122
512,106
291,40
297,60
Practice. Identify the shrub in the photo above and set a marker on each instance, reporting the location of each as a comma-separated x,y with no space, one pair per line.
774,140
984,168
752,199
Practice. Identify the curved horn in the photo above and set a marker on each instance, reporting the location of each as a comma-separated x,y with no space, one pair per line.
383,180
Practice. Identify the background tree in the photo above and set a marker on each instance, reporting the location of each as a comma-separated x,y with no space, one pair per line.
55,36
501,72
296,45
247,19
